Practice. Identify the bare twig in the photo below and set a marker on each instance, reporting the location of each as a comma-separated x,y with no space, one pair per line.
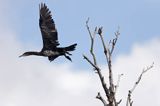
118,81
94,64
106,50
109,91
92,36
114,41
129,100
108,56
89,61
101,99
119,101
100,76
116,87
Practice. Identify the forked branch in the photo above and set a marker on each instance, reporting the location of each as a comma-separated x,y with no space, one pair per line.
94,64
108,54
129,100
109,90
92,36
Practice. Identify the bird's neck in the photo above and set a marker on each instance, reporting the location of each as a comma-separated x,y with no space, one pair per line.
34,53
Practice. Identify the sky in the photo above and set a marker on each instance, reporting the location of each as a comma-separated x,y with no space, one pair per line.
34,81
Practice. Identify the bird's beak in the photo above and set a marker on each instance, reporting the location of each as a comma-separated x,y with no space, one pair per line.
21,55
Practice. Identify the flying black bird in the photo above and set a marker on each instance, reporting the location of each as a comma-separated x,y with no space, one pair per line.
50,37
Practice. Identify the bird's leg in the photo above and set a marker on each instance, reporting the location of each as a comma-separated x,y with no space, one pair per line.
68,53
68,57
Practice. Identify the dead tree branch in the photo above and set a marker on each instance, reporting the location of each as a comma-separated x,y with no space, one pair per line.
118,81
108,54
101,99
129,100
92,36
94,64
109,91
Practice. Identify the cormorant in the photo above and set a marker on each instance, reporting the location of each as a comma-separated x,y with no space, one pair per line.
50,37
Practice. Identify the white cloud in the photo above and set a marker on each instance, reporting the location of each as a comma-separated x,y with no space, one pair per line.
131,65
31,81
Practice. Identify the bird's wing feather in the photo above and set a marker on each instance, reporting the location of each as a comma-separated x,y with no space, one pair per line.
48,29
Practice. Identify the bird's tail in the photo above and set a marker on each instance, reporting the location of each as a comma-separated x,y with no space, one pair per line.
71,47
67,49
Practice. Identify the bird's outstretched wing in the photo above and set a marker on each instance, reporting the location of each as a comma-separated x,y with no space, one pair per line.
47,27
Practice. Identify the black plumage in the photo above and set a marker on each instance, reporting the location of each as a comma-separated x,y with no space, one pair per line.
50,37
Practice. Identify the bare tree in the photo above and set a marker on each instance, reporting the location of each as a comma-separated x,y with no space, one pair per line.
111,88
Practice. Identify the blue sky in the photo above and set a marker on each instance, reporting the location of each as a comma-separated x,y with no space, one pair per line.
34,81
138,21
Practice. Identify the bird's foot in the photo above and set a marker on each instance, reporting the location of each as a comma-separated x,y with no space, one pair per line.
68,53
